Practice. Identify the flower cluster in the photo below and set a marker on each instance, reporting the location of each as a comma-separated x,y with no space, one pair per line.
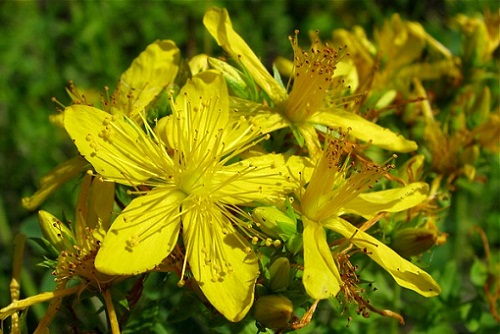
252,190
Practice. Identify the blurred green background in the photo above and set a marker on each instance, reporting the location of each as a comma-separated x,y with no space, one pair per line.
45,44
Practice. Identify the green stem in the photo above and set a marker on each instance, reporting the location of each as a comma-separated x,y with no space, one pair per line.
6,235
461,226
40,298
113,320
15,286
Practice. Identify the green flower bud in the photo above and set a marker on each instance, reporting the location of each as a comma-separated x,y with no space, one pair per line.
413,241
274,222
280,274
234,78
55,231
273,311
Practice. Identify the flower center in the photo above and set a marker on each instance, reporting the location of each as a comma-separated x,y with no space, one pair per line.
196,182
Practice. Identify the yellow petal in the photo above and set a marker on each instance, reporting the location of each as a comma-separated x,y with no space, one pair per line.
54,179
142,235
219,25
94,209
346,69
404,272
267,118
262,178
101,200
198,64
412,169
392,200
300,170
311,139
362,51
154,69
221,262
321,277
364,130
200,111
284,66
117,148
400,42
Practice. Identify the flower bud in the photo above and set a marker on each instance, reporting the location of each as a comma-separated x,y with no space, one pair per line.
280,274
274,222
234,78
55,231
273,311
413,241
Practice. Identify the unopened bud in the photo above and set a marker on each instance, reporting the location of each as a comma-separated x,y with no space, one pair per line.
58,234
413,241
280,274
234,78
274,222
273,311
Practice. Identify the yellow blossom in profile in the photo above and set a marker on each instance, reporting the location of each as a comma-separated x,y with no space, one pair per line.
77,246
188,177
402,50
481,36
337,188
303,108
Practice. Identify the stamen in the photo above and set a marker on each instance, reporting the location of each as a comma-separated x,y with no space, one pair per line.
58,103
313,76
336,182
127,148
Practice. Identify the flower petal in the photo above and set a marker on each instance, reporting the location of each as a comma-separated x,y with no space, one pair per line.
268,119
200,113
311,139
94,210
117,148
321,277
262,178
219,25
404,272
392,200
142,235
221,262
154,69
54,179
363,129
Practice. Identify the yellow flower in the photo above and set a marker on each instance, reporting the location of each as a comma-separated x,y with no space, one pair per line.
187,178
148,75
303,108
397,55
336,189
480,36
